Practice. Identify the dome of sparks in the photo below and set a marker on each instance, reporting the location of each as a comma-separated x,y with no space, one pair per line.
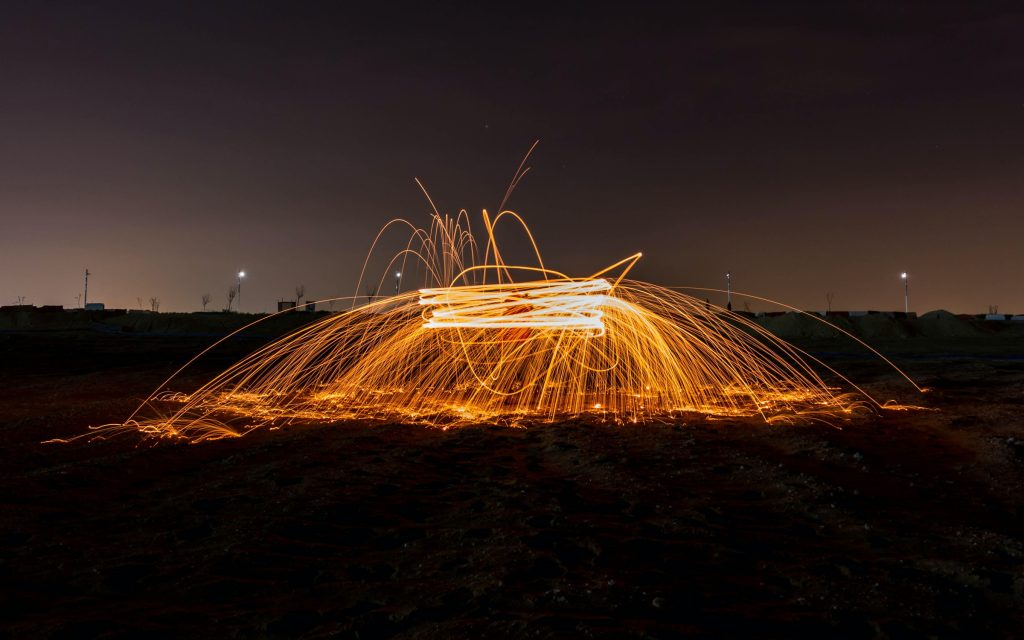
484,341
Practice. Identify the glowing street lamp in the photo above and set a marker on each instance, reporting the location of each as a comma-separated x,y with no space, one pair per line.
398,281
241,274
728,290
906,292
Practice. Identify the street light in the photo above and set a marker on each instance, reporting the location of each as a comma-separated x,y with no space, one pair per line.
728,290
398,281
906,292
241,274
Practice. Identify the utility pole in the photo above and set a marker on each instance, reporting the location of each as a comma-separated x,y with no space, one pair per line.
728,290
906,292
85,298
241,274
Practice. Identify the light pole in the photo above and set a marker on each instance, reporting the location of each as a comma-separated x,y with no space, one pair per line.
728,290
241,274
906,292
398,281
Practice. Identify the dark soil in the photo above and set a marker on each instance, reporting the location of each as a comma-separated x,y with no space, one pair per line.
905,524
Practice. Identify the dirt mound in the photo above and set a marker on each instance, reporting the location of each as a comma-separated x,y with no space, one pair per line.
943,324
799,325
120,321
875,326
172,323
33,320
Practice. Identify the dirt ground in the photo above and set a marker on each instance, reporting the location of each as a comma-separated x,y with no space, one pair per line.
899,525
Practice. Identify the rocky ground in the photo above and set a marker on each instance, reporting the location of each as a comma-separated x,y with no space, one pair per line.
902,524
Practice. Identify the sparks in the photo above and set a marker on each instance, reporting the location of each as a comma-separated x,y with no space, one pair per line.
483,341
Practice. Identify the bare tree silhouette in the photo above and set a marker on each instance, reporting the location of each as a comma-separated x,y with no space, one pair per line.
154,304
300,291
828,300
206,300
232,293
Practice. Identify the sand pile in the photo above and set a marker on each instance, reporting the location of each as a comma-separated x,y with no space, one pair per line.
175,323
799,325
209,323
31,319
875,326
943,324
120,321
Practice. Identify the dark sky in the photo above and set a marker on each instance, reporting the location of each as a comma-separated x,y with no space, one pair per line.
807,147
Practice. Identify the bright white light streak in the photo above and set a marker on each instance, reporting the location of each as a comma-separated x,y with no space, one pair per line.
557,304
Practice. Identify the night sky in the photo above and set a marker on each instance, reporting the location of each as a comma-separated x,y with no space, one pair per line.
805,149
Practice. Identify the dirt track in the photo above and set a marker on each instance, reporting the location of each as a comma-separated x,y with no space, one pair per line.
904,524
